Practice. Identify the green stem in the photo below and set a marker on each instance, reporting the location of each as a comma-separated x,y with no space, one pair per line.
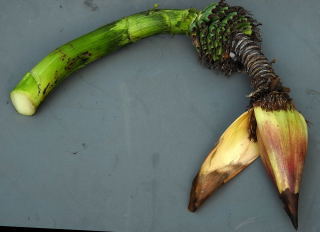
41,80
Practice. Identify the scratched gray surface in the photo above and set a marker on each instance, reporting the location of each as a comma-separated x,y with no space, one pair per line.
117,145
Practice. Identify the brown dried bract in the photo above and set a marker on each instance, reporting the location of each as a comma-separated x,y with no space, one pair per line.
204,185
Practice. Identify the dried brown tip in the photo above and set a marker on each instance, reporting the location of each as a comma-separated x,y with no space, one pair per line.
202,187
194,203
290,201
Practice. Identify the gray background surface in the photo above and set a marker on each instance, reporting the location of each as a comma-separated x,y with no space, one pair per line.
116,146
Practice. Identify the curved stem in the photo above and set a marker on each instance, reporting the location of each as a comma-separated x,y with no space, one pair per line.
41,80
268,91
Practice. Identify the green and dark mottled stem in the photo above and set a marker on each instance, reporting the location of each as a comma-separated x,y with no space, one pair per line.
39,82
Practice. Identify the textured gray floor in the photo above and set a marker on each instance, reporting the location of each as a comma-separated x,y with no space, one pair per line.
117,145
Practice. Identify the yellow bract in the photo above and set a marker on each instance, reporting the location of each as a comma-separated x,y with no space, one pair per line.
233,148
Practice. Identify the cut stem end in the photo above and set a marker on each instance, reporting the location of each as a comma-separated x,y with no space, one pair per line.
22,103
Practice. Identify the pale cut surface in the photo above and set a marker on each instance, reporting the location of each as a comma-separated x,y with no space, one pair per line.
22,103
